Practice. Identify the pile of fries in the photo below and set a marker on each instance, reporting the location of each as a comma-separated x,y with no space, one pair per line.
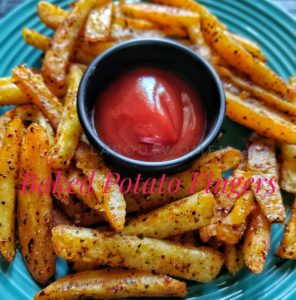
128,245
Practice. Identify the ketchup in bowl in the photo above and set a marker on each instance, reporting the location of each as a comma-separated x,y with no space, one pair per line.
150,114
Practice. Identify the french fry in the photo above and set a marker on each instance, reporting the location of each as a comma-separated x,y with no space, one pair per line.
257,241
93,49
9,161
160,14
288,168
69,129
59,218
257,116
51,15
36,39
263,165
78,266
98,23
111,202
234,258
10,94
237,56
287,248
112,283
267,97
79,244
4,120
178,217
186,238
35,208
230,234
57,57
33,85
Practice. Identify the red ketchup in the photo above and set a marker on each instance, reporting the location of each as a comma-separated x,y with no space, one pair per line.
150,114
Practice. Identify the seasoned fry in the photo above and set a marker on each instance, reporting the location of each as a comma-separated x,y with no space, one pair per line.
9,161
234,258
202,264
237,56
69,129
4,120
10,94
59,218
57,58
287,247
257,242
112,202
35,209
36,39
160,14
98,23
112,283
178,217
262,164
32,84
288,168
78,266
230,234
255,115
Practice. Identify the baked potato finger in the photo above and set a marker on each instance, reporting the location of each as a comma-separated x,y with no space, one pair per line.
178,217
36,39
35,208
4,120
234,258
9,161
112,283
288,168
202,263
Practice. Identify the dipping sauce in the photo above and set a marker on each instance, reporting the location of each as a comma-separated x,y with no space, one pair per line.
150,114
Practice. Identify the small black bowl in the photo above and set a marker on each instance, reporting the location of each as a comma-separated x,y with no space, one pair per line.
167,54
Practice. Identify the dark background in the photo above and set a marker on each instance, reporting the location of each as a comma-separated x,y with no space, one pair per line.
7,5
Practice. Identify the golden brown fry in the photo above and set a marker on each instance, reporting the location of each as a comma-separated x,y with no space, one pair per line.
36,39
10,94
257,242
112,283
78,266
267,97
230,234
263,165
287,247
35,209
178,217
33,85
4,120
110,202
93,49
98,23
160,14
51,15
57,58
237,56
200,264
59,218
69,129
265,120
288,168
9,161
234,258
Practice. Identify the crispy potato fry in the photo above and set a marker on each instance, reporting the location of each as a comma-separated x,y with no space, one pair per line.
257,241
287,248
59,218
237,56
35,208
267,97
160,14
230,234
112,202
234,258
51,15
288,168
78,266
200,264
112,283
178,217
185,239
98,23
93,49
4,120
9,161
56,60
33,85
263,165
257,116
10,94
69,129
242,208
36,39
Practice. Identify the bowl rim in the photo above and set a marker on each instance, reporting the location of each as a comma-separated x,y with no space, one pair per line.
97,142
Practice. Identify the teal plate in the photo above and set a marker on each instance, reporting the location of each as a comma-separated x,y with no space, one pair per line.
258,20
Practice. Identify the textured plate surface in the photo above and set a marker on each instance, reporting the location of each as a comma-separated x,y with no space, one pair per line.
258,20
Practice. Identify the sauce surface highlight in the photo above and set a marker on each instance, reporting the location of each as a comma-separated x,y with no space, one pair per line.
150,114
